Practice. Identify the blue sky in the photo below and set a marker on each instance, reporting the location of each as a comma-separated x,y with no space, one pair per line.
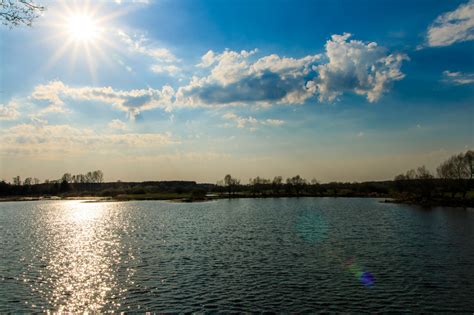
161,89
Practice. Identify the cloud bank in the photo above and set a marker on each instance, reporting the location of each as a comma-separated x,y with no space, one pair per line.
55,141
234,78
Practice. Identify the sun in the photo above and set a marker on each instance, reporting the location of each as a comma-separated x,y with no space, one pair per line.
82,28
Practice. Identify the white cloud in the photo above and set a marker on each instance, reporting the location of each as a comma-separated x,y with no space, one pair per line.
273,122
239,78
133,102
165,60
251,122
235,79
140,44
9,111
117,124
207,59
458,78
132,1
170,69
346,66
452,27
357,67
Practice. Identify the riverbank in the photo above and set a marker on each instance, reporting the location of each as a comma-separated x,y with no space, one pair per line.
455,203
189,197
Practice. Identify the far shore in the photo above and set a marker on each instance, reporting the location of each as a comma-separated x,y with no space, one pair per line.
185,198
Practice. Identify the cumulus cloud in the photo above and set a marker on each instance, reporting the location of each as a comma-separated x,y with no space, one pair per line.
358,67
346,66
458,78
452,27
47,140
251,122
234,79
9,111
132,101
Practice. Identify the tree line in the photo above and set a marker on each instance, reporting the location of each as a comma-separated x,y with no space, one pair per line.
453,181
454,178
88,178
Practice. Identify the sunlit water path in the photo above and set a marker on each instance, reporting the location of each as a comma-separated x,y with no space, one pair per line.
296,254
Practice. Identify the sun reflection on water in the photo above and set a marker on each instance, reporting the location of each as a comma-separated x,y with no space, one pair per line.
84,254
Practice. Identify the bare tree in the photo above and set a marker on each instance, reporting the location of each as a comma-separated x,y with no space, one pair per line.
97,176
231,183
456,169
228,182
411,174
297,182
67,178
276,184
36,181
469,157
423,173
19,12
16,181
28,181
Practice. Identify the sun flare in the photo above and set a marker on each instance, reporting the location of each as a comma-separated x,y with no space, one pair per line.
83,28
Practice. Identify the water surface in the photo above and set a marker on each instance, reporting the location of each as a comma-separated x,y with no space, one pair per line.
288,254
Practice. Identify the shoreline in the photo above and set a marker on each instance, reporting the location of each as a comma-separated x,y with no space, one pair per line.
457,203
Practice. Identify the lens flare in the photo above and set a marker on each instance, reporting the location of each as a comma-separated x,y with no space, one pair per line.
312,227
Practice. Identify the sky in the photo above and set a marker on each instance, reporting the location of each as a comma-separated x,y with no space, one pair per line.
196,89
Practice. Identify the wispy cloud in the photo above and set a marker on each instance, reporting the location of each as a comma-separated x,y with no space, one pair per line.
133,102
452,27
251,122
170,69
117,124
458,78
164,60
132,1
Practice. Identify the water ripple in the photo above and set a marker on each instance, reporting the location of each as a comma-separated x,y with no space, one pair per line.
267,255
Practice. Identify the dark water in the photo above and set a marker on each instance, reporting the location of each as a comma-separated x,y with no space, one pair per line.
306,254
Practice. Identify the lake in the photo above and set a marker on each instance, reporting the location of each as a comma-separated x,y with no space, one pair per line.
287,254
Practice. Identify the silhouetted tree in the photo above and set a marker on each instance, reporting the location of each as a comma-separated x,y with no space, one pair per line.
297,183
28,181
16,181
276,184
98,176
469,157
17,12
228,182
457,170
67,177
